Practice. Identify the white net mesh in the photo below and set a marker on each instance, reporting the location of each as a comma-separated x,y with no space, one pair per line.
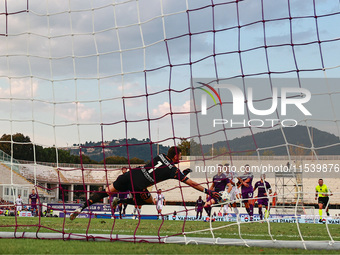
74,73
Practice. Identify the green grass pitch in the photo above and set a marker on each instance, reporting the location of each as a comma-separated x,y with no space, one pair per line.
279,231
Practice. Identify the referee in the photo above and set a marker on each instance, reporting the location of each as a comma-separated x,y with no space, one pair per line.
322,193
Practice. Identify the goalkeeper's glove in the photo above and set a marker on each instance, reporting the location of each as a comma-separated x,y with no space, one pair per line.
213,194
187,171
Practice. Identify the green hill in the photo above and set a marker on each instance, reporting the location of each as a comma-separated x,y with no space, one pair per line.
135,148
294,135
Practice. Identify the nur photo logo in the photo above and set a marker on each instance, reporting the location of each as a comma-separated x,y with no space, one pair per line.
204,97
295,97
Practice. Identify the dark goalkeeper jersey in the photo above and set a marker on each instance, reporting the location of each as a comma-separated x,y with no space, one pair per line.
160,169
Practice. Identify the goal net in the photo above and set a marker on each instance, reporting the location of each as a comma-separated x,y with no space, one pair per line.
89,87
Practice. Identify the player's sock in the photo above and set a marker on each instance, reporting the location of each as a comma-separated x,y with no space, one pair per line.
260,213
226,207
120,210
124,209
327,212
320,213
247,209
266,214
236,211
209,211
96,197
206,209
251,210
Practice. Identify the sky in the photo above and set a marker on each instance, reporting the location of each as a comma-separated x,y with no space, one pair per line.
80,70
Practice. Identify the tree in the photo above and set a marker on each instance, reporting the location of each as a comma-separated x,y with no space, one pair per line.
136,161
195,148
184,145
88,160
22,146
222,151
268,153
212,151
115,160
189,147
297,151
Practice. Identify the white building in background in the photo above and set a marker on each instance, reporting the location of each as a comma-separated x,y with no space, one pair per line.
74,183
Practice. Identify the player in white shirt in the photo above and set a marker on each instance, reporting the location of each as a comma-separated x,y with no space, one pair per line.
159,201
18,203
234,193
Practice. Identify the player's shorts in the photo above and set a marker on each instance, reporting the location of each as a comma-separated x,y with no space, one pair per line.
247,195
262,201
123,184
123,195
159,206
19,208
236,190
199,209
233,194
323,200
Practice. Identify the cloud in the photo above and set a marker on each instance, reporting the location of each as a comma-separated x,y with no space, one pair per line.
129,87
69,112
101,42
19,88
90,46
164,108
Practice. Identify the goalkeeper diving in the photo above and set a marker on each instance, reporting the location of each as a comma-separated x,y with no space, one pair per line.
137,180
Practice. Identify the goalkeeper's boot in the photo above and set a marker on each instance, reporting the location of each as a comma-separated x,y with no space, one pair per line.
115,202
75,214
327,213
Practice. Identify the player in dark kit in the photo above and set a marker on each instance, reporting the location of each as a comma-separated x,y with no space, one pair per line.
199,207
137,180
262,196
33,202
219,184
247,190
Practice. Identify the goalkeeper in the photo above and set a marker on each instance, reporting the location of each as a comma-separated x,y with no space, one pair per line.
137,180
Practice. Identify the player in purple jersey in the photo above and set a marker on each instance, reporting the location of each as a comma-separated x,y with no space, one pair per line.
33,198
199,207
262,196
247,190
137,180
219,183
